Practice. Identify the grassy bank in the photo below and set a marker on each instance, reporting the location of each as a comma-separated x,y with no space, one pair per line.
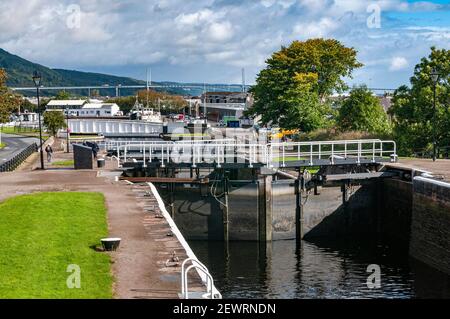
42,234
23,131
67,163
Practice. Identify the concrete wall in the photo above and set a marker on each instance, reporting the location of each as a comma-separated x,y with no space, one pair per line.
430,226
327,215
200,216
395,207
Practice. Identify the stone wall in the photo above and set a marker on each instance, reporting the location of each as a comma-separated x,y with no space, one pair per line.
430,226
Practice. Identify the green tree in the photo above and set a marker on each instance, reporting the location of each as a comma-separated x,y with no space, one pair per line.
62,95
412,108
292,90
53,121
168,102
125,103
362,111
9,102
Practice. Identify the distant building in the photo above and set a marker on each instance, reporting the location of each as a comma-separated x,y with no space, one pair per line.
28,117
65,104
97,109
83,108
385,101
220,104
225,97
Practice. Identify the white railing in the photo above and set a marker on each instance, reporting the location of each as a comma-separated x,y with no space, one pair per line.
271,155
211,291
201,269
113,145
331,150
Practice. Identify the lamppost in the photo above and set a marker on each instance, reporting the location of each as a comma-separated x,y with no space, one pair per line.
37,83
435,78
67,131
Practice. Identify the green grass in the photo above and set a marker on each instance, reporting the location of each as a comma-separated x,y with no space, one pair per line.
67,163
25,132
41,234
189,135
2,145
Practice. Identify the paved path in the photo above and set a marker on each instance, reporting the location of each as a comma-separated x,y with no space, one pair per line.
440,168
139,266
14,144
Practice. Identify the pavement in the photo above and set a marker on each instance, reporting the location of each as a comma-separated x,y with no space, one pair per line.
142,265
440,168
14,144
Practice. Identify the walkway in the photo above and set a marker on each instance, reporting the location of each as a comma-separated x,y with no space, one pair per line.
139,265
439,168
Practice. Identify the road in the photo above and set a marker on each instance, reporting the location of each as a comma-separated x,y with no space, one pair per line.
14,144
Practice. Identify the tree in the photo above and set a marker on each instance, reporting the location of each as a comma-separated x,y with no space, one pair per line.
53,121
292,90
412,108
125,103
362,111
62,95
9,102
168,102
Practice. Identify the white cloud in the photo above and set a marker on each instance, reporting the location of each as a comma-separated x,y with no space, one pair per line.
220,31
216,34
398,63
313,29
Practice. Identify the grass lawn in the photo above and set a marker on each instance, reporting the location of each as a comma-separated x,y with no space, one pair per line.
41,234
24,132
2,145
68,163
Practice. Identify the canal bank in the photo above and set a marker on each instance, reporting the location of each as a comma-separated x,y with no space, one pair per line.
407,210
144,266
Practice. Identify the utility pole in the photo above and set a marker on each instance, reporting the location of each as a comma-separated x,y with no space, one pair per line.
204,102
435,78
67,131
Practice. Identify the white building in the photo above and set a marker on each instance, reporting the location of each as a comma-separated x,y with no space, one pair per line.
83,108
65,104
96,110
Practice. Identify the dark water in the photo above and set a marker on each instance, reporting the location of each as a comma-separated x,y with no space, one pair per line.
317,270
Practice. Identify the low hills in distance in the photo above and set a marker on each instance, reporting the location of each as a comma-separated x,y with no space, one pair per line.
20,70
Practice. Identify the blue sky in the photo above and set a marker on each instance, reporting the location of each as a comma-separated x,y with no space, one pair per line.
211,40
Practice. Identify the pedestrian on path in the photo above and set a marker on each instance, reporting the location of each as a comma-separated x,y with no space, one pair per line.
49,151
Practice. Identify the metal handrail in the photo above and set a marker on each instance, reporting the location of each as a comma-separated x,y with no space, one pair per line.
267,154
211,291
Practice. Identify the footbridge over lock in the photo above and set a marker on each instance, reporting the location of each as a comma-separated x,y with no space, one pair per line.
242,190
230,153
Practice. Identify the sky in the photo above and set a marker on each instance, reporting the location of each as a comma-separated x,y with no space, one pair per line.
212,40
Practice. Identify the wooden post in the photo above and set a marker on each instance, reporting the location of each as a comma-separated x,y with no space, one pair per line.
172,200
225,210
265,208
299,207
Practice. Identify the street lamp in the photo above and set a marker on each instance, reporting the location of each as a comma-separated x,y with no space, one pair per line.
37,82
435,78
67,131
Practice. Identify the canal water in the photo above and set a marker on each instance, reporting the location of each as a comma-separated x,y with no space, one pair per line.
325,269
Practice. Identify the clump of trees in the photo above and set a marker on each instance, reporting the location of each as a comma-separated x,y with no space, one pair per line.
292,91
9,102
415,124
362,111
167,102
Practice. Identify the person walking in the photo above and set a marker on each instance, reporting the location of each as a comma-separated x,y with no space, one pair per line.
49,151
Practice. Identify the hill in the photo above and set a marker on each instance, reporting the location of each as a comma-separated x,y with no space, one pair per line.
20,71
